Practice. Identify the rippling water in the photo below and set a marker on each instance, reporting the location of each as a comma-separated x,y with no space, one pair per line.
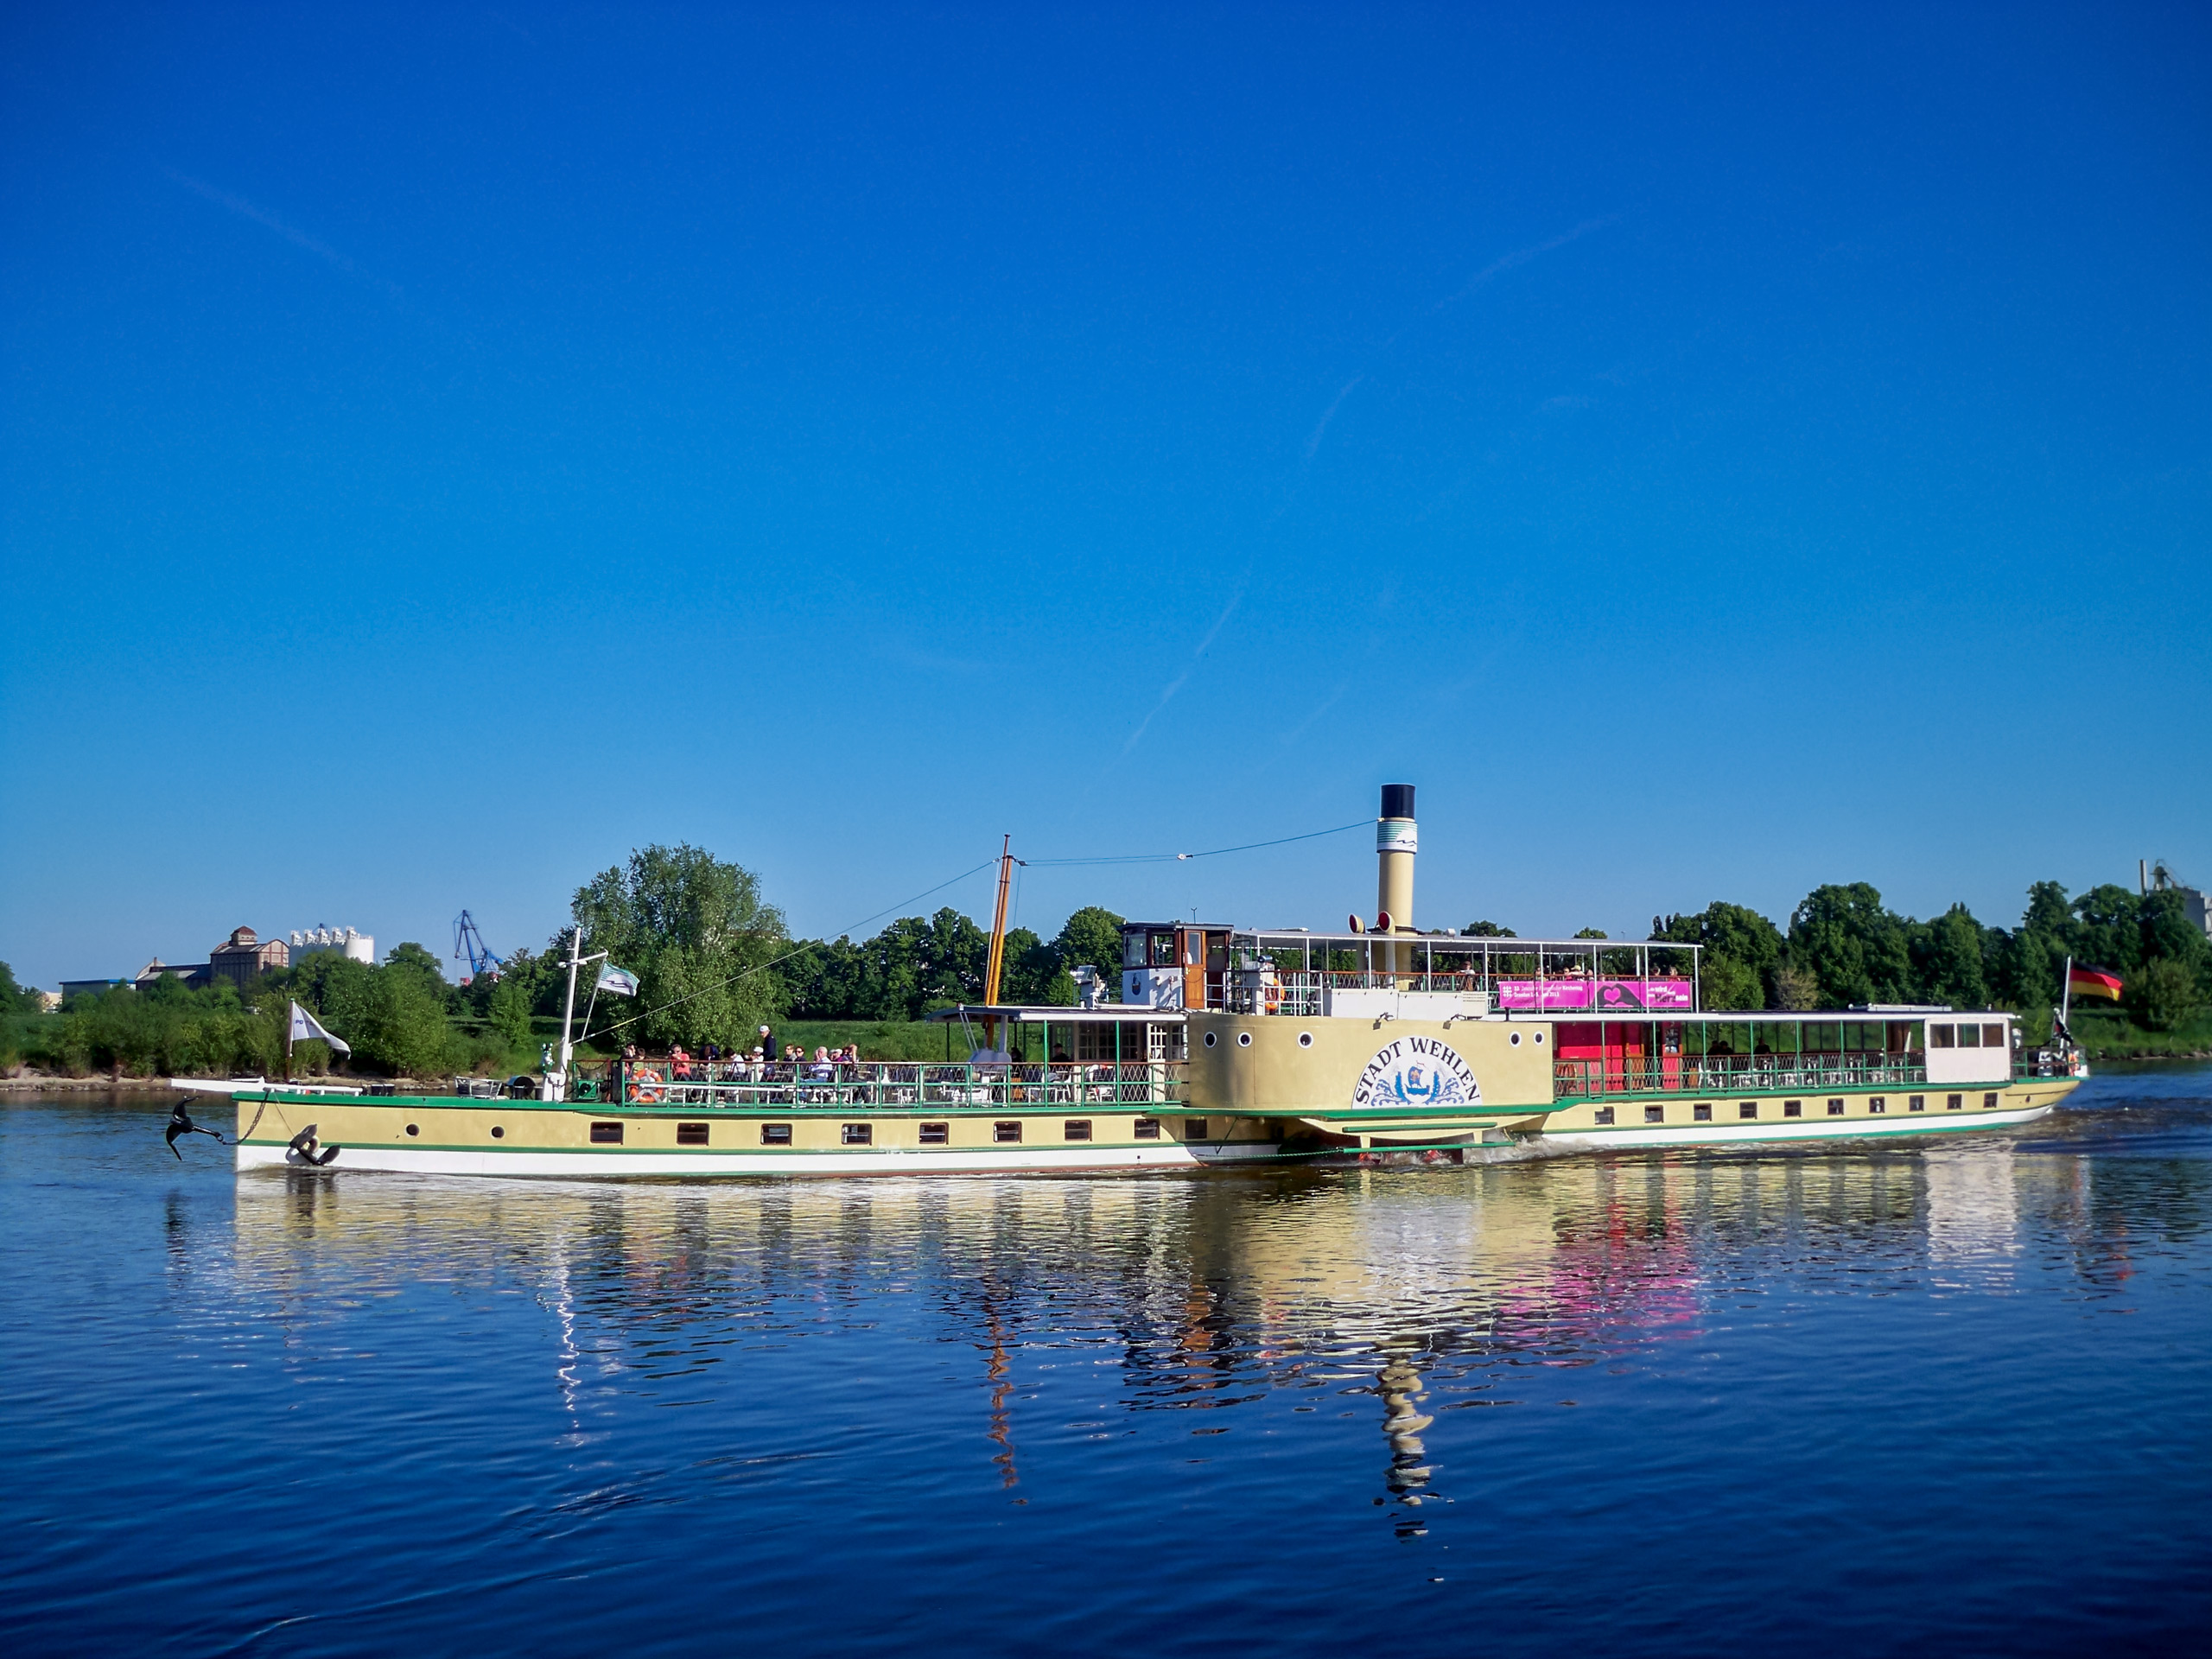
1955,1393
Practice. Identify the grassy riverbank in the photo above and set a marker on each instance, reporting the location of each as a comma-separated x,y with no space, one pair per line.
2113,1037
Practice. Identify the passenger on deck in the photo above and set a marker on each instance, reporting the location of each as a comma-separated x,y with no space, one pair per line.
680,1063
768,1043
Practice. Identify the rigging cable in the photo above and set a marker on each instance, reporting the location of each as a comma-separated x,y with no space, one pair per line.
1216,852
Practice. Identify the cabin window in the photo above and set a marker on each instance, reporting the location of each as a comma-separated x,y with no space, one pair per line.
1133,950
1075,1128
1243,1040
1917,1104
1005,1133
937,1134
775,1134
1194,1128
1793,1109
1604,1115
1306,1040
1835,1109
607,1135
1147,1128
1163,949
1952,1102
1702,1112
1539,1039
1940,1037
1749,1109
1878,1104
498,1133
857,1135
691,1134
1211,1039
416,1129
1993,1036
1654,1113
1969,1036
1989,1103
1515,1039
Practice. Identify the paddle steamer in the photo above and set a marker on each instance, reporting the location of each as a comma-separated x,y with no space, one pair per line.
1236,1047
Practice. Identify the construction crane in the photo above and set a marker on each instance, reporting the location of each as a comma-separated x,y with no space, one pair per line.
469,943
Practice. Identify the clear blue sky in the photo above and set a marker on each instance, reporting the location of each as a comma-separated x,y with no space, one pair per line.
1710,453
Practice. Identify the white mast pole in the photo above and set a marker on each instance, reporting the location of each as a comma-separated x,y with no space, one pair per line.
568,1015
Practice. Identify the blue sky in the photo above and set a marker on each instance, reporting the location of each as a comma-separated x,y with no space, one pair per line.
1710,451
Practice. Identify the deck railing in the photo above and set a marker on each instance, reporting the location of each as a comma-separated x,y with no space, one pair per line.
1299,991
836,1085
1725,1075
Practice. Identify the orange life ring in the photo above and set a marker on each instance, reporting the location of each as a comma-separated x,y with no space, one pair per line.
648,1096
644,1089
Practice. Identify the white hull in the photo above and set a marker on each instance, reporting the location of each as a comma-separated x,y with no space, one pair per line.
711,1164
1857,1129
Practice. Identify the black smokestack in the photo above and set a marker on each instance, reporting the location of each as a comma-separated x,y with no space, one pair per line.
1397,800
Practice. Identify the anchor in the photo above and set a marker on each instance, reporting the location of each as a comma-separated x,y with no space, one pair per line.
302,1151
181,1123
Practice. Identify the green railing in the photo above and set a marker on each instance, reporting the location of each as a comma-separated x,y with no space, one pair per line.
839,1085
1750,1075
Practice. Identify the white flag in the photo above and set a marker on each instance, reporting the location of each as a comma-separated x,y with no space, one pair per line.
617,981
307,1028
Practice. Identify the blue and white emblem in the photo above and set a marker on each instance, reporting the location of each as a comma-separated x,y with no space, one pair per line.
1416,1074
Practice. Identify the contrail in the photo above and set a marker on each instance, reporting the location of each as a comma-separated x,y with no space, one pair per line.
1496,267
268,220
1180,680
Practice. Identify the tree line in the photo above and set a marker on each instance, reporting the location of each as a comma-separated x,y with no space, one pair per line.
1843,947
716,961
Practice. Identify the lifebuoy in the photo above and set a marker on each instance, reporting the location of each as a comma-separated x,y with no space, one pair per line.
647,1095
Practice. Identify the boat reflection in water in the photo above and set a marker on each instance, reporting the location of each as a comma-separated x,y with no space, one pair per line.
1418,1294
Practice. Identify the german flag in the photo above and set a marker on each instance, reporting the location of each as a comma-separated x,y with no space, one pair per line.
2095,981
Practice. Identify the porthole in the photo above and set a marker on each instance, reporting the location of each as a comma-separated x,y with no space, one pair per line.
1306,1040
1211,1038
414,1128
1243,1040
1539,1039
1515,1039
498,1133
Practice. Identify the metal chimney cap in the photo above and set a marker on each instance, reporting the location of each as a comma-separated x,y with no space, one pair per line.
1397,800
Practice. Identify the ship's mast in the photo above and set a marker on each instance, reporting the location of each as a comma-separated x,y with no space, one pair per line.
998,939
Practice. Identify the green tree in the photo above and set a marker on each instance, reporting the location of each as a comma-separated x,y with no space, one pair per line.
1742,949
14,999
1091,936
699,937
1591,933
1724,983
1856,949
506,1010
2160,994
1487,930
1947,960
2109,931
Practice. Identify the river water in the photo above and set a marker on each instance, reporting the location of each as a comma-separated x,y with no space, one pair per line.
1953,1393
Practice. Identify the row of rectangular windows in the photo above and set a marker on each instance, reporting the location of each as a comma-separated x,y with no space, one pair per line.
1702,1112
1006,1132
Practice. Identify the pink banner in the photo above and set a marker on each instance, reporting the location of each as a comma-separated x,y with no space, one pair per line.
1597,995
